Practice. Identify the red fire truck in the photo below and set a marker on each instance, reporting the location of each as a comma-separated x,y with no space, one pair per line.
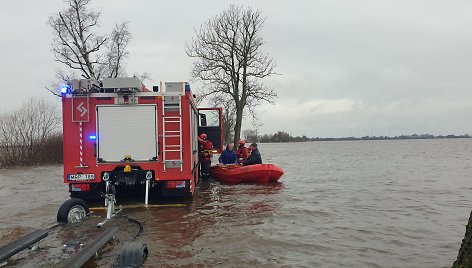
120,136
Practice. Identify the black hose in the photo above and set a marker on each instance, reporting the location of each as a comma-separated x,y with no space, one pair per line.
116,263
141,228
55,226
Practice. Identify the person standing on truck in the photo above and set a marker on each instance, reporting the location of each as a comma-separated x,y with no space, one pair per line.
205,153
228,156
254,158
242,152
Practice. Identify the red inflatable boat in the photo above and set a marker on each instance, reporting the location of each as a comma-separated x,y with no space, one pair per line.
233,174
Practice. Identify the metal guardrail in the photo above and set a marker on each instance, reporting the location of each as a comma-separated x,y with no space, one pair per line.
23,242
86,253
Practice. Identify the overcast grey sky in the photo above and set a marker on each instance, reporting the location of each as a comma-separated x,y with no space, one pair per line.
348,67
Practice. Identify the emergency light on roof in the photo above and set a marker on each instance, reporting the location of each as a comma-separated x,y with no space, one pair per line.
93,137
65,89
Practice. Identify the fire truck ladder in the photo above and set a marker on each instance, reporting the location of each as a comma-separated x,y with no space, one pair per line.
172,103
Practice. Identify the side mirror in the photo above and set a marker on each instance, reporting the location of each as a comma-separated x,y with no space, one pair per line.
203,121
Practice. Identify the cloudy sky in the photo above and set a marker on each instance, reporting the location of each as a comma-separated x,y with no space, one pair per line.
347,67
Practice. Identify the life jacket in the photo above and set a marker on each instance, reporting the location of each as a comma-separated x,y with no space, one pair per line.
205,149
242,153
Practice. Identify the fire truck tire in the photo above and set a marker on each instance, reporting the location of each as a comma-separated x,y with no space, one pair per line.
72,211
133,255
78,195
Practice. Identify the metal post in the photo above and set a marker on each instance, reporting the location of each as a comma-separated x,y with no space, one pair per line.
106,178
109,197
111,205
148,182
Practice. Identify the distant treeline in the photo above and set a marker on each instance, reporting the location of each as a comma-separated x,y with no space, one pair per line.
401,137
282,136
30,135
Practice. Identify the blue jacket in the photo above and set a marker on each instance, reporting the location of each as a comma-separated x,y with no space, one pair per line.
227,157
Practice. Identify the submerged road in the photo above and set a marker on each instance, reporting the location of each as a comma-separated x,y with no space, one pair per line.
354,204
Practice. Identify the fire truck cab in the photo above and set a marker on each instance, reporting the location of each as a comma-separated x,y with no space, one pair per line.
119,136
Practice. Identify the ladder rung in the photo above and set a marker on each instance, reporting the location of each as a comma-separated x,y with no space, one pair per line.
172,102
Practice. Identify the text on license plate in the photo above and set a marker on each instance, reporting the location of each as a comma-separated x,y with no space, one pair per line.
81,177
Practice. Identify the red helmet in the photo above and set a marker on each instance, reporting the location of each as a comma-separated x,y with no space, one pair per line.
203,136
242,142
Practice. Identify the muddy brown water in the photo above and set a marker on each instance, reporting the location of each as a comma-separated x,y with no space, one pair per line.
355,204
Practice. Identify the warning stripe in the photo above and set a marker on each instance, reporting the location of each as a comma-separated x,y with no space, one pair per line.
81,145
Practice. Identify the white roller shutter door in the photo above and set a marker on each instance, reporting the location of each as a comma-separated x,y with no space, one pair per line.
126,130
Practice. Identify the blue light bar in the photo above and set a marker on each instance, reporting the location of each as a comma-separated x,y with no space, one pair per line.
92,137
65,89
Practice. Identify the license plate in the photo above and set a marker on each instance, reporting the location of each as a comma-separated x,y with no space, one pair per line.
81,177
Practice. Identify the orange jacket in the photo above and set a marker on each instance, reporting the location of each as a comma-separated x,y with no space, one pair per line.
242,153
205,149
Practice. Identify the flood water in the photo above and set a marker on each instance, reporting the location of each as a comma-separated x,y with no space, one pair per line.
402,203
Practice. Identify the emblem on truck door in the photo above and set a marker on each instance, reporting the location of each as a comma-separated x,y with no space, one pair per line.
82,109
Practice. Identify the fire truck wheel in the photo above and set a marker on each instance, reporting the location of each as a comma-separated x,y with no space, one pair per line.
72,211
133,255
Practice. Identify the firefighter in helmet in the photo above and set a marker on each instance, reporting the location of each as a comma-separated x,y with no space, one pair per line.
242,152
205,153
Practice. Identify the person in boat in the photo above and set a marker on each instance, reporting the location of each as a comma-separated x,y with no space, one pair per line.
249,151
228,156
242,152
254,158
205,153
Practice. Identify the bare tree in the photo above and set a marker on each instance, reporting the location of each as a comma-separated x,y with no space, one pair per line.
230,60
25,131
117,53
145,76
75,44
81,49
251,135
61,79
229,115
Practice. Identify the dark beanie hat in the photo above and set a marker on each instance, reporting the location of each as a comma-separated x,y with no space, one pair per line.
254,145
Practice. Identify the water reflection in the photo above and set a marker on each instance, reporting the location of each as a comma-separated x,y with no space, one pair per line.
189,236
